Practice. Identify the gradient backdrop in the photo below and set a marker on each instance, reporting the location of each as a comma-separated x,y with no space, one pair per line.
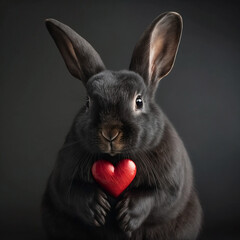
39,98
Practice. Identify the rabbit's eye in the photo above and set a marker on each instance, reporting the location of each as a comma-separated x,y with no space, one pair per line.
139,102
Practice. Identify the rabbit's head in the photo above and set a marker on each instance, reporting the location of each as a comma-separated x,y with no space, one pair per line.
120,115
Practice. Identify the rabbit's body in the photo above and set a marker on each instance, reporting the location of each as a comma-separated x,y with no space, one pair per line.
121,120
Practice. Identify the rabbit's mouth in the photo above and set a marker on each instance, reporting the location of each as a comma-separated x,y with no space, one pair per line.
111,148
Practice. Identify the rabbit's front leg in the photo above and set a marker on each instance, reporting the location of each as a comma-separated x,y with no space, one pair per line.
133,209
90,204
60,210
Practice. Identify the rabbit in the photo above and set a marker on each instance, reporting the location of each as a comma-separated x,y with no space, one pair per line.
119,120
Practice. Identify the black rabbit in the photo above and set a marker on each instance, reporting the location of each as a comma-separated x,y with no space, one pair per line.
121,120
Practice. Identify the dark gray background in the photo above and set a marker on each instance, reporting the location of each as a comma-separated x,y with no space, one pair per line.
39,98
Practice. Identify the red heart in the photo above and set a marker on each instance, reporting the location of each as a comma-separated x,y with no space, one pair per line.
114,179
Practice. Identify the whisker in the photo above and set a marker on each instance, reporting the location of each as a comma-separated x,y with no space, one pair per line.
72,178
83,160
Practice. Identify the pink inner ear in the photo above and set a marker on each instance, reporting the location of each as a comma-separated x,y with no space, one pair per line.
72,52
67,50
163,46
156,47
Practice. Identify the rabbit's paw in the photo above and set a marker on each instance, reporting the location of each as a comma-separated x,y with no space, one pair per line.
98,209
131,213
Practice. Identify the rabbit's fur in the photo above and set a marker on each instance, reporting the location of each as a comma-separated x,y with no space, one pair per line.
121,120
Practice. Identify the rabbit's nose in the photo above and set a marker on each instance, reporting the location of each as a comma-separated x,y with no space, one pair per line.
110,135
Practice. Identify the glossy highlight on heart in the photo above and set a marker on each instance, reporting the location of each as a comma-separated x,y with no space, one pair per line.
114,179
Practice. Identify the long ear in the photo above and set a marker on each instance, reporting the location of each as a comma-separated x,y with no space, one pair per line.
154,54
81,59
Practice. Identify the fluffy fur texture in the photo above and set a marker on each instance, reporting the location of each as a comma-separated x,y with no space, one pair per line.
161,202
